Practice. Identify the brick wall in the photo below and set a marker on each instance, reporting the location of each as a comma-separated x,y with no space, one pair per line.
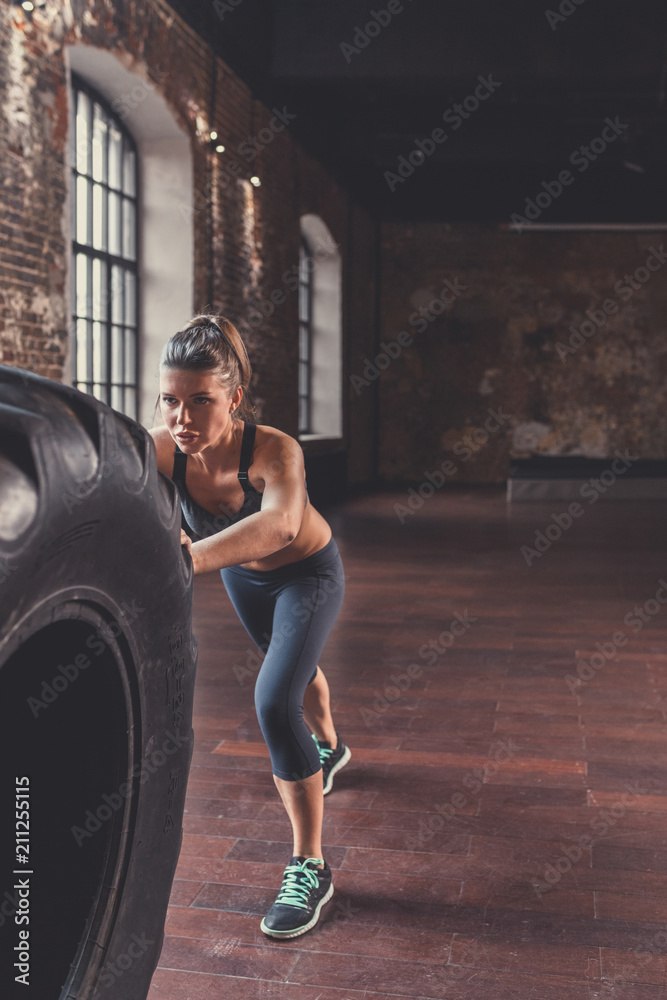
245,240
495,346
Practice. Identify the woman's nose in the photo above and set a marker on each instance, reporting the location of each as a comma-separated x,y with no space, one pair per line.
182,416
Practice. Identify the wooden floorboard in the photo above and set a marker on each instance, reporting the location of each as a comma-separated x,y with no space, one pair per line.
500,832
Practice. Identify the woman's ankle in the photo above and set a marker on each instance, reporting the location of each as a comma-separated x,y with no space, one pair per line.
331,739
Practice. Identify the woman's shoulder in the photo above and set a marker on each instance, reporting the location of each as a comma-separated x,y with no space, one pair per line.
266,435
272,444
164,449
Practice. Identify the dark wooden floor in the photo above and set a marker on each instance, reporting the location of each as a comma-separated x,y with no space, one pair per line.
500,831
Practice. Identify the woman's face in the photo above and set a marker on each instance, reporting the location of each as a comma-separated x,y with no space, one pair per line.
195,407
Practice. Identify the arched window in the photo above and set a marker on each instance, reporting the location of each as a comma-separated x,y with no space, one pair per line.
104,229
320,332
164,222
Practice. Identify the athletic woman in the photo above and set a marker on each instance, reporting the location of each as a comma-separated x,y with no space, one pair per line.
243,495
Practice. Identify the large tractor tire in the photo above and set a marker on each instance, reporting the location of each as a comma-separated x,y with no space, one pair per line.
97,667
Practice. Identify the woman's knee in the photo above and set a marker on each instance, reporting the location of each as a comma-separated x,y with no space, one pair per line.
270,707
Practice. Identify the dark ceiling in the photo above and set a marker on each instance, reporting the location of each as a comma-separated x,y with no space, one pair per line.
555,80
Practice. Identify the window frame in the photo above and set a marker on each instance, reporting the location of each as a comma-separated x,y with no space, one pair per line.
113,393
305,327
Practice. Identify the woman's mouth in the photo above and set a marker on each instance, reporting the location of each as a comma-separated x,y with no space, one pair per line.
186,437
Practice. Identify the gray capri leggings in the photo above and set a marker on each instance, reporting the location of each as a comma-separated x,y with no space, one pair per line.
289,613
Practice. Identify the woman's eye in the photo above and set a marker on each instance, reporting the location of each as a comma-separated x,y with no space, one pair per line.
198,399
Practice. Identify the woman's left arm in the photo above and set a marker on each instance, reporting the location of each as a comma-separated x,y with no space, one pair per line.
269,529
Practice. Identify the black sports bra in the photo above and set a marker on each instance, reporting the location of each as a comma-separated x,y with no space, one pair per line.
201,521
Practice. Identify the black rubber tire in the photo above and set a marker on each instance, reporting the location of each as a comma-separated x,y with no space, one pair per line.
91,569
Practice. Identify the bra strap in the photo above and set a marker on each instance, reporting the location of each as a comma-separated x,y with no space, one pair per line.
180,458
247,446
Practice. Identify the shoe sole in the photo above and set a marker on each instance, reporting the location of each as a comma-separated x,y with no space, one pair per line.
300,930
341,763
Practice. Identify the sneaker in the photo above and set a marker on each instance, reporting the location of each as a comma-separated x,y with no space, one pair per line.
305,890
331,760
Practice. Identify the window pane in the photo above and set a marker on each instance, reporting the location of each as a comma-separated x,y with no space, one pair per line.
82,292
116,397
304,303
303,343
99,144
114,223
303,415
82,350
82,210
303,255
74,216
131,403
115,157
130,299
73,136
99,289
129,169
82,137
117,293
128,229
99,218
101,392
116,354
130,373
73,285
98,351
303,379
104,351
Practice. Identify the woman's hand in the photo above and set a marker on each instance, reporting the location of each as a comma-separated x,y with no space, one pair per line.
187,541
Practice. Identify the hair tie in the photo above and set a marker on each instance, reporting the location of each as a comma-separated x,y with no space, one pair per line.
227,341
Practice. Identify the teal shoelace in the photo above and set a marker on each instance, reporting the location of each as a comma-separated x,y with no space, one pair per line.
297,883
324,752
